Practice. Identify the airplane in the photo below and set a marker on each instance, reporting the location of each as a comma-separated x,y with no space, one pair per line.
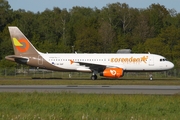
110,65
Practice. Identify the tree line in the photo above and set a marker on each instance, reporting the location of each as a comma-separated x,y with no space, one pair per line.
155,29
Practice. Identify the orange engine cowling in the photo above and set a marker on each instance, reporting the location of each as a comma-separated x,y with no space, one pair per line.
112,72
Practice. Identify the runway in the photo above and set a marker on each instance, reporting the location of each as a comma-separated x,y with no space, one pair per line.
97,89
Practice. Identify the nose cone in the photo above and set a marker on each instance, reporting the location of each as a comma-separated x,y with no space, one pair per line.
170,65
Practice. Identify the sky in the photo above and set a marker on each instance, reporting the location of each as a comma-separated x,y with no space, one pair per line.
41,5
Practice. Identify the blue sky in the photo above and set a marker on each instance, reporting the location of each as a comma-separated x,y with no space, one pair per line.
41,5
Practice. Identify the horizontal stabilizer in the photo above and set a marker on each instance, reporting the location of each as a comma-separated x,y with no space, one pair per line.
18,59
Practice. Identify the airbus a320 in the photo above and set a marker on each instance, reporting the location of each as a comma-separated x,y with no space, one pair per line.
110,65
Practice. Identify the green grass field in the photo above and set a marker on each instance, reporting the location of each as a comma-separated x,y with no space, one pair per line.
70,106
29,81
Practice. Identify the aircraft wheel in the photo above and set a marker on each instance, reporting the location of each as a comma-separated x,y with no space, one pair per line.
94,77
150,78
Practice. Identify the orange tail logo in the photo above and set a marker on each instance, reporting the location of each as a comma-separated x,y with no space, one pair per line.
22,45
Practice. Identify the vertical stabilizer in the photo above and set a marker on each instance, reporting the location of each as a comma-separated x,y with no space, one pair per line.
21,45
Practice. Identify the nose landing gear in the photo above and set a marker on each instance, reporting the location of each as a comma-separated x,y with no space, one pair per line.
150,77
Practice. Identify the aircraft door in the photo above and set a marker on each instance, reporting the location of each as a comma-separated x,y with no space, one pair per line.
40,60
151,61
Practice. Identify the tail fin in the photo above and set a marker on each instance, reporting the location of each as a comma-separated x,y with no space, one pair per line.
21,45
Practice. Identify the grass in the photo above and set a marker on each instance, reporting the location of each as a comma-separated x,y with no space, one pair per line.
70,106
29,81
78,78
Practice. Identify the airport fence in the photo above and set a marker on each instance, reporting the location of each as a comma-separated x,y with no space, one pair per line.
42,73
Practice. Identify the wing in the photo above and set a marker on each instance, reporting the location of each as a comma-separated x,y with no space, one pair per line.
99,67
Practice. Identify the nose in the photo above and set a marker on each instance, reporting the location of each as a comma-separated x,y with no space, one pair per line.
170,65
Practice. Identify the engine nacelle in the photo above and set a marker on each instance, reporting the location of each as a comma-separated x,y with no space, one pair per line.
112,72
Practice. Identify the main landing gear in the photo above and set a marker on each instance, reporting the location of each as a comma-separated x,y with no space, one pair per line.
93,77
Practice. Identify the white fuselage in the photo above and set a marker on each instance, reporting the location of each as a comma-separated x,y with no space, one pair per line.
128,62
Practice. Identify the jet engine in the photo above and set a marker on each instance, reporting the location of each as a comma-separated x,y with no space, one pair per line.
112,72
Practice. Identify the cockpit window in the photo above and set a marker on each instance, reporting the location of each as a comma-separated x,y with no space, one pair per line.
163,59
